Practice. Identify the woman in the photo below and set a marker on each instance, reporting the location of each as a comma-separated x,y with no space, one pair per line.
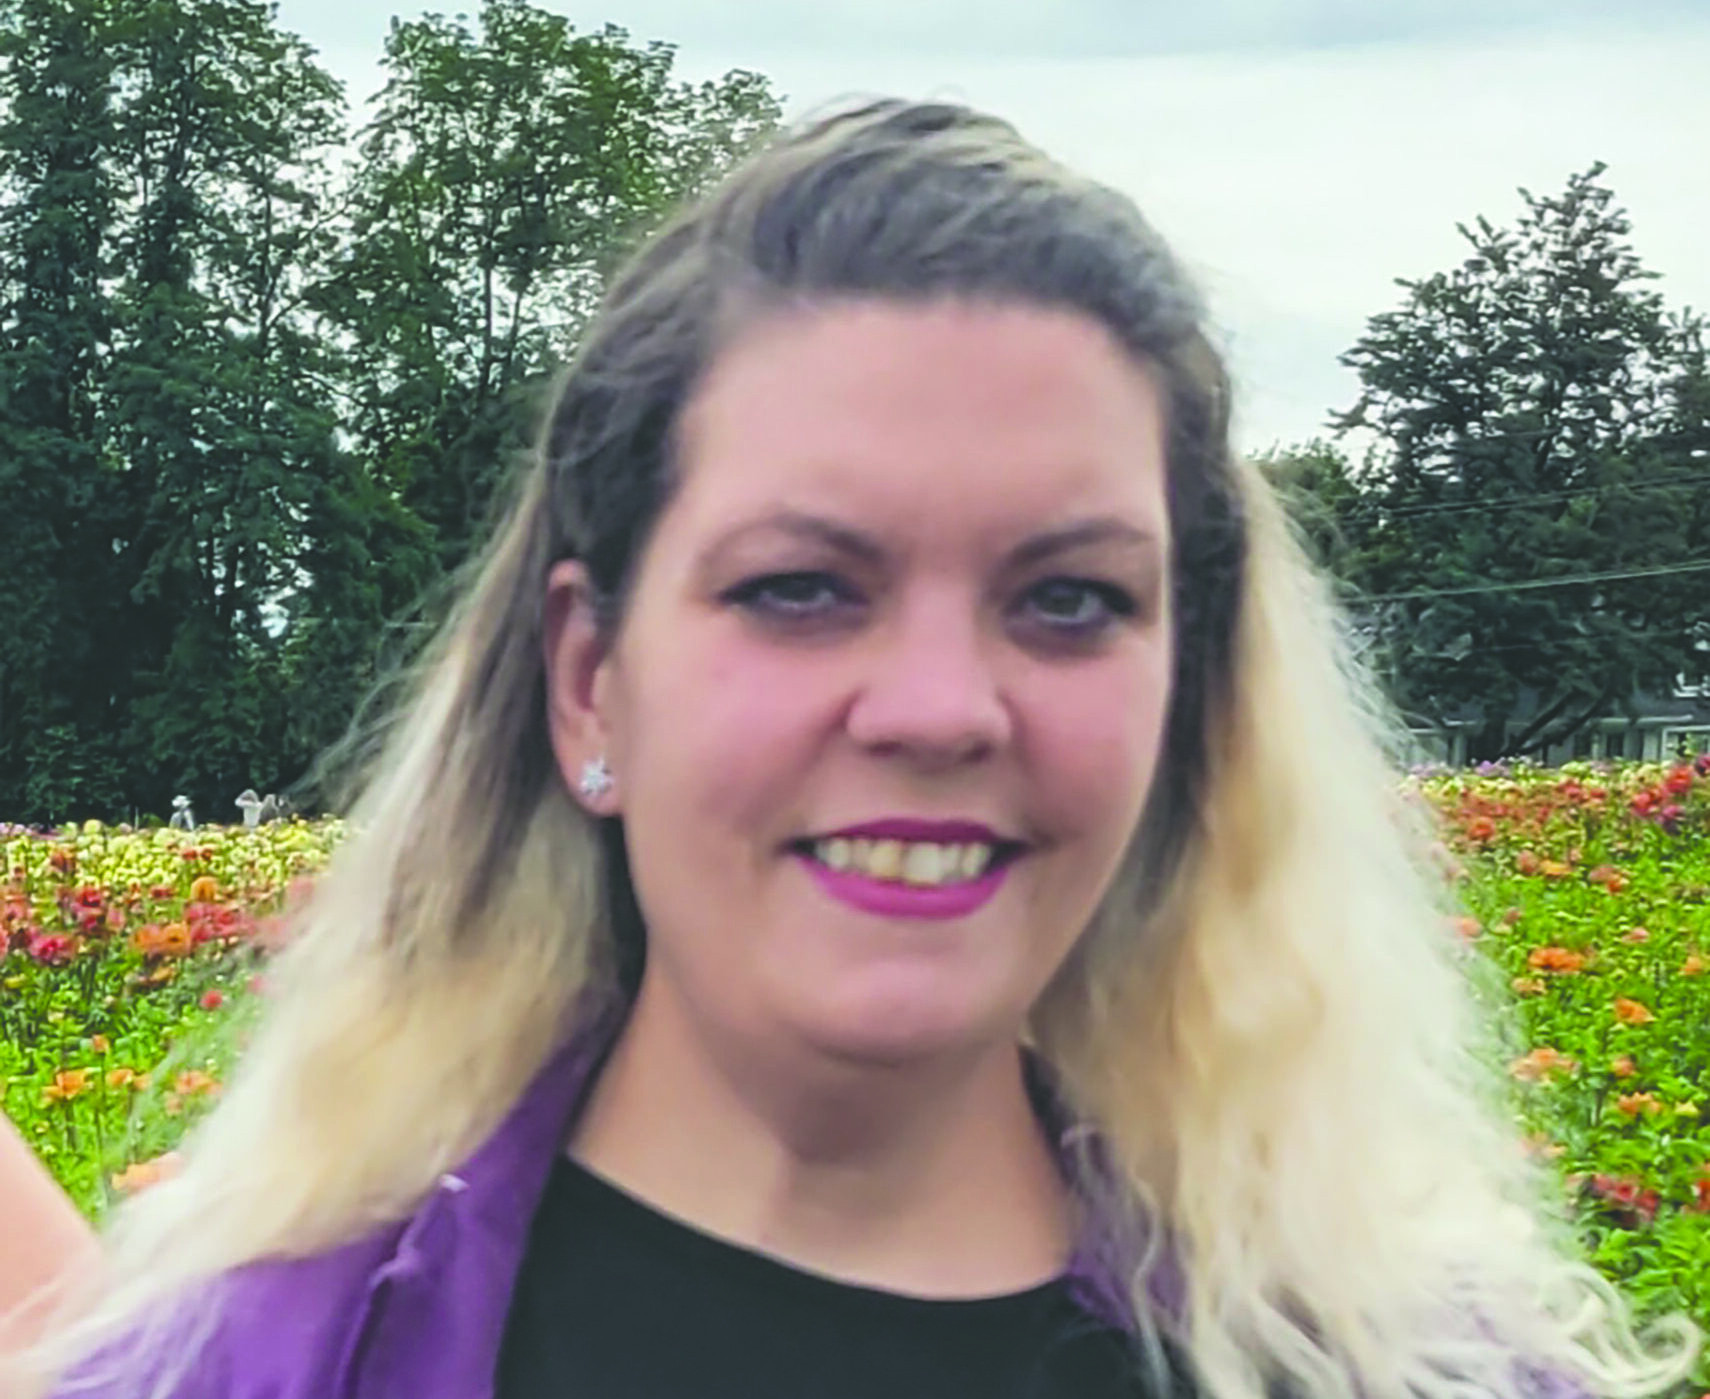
883,887
43,1239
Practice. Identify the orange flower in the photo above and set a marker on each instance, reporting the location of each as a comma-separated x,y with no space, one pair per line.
1636,935
1556,959
67,1084
121,1078
152,940
1622,1066
193,1081
1467,927
204,889
1554,869
1632,1104
1481,829
1693,965
1528,985
1631,1012
99,1044
1541,1063
143,1174
1527,862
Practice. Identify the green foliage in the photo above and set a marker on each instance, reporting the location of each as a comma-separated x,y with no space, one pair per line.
1589,890
1539,416
255,401
126,975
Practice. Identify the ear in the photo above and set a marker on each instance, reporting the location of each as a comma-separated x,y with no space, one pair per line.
576,660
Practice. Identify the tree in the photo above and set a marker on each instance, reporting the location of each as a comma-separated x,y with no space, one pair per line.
1528,533
501,171
254,403
58,206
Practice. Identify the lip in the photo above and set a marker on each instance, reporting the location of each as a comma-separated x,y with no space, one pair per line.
888,899
916,829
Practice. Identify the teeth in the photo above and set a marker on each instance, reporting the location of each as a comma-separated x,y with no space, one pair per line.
886,860
923,864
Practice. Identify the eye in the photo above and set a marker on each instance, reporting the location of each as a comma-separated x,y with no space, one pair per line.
1077,608
805,595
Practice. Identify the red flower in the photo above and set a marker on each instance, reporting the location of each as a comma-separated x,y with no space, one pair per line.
212,999
1679,780
53,949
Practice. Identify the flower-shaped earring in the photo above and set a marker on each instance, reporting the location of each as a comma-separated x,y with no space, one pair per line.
596,779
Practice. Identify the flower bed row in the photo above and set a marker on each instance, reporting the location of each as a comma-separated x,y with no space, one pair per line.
119,950
1586,887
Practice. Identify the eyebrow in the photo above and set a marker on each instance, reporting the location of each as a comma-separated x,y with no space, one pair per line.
1100,530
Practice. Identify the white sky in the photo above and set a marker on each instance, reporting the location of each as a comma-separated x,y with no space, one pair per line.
1299,154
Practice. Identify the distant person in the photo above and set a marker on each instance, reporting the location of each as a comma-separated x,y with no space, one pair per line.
44,1241
882,890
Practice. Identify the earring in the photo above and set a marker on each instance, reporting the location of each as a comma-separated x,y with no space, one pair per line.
596,779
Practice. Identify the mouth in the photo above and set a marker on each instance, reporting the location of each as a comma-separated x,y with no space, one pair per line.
911,855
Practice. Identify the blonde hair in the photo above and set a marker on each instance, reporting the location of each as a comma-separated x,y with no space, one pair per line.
1266,1028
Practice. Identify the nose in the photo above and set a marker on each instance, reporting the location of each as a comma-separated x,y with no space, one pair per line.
930,690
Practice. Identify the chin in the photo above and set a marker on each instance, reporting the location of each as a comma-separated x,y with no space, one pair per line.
891,1028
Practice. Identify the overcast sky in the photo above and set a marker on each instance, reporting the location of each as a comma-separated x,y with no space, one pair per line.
1300,154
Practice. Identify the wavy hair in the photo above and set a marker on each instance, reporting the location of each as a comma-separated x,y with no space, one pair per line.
1267,1029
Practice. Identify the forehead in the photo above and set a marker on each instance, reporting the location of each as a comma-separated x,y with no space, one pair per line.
978,416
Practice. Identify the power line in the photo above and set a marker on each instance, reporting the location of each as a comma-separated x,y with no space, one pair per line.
1367,507
1613,576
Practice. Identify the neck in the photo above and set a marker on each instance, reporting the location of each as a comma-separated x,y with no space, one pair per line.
933,1180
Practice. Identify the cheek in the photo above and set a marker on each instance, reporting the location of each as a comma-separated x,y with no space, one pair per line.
1096,741
721,729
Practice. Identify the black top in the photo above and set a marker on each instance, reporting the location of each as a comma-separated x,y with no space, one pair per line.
616,1300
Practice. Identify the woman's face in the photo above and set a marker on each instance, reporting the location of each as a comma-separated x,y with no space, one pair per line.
890,690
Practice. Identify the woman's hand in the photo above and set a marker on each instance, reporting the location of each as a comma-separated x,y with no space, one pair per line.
43,1239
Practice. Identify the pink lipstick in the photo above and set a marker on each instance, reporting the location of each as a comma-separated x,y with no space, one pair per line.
891,897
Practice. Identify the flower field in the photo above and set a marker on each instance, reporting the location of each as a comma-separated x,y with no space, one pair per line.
1586,887
1589,887
120,952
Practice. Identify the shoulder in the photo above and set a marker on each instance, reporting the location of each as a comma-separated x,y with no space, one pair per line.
276,1329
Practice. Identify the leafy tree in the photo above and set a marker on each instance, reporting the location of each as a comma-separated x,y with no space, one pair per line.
215,429
1527,533
58,205
253,400
503,166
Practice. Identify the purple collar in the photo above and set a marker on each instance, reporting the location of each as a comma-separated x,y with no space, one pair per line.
507,1176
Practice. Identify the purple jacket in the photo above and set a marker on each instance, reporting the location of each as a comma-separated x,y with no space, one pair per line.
415,1310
